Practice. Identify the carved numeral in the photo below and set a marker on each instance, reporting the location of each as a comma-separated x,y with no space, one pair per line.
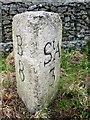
20,52
52,71
19,44
21,70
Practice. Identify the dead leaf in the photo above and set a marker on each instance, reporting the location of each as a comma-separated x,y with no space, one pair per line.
76,57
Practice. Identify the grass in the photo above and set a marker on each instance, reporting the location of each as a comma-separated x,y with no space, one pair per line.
7,63
2,64
73,99
74,94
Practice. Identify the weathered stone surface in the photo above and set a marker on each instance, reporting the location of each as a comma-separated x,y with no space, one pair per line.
37,41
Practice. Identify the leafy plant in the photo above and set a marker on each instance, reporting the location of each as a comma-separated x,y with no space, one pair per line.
2,63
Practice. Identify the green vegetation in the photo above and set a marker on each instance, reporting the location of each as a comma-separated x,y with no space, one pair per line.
73,99
2,64
7,64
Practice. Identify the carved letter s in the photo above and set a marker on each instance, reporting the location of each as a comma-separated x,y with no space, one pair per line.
47,53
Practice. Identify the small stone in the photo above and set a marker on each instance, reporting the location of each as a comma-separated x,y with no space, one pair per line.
32,7
54,9
40,5
42,9
21,10
59,9
47,7
6,22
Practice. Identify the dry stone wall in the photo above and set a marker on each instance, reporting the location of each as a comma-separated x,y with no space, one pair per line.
75,17
0,22
49,1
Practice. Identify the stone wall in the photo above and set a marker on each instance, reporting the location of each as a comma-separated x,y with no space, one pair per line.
75,17
49,1
0,22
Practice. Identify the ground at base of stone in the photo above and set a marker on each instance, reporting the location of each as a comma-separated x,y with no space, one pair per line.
13,107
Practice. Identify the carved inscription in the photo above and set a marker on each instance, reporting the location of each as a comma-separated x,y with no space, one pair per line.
19,44
49,44
51,49
20,53
52,71
21,70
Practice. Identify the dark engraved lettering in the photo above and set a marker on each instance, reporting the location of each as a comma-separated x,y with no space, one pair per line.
54,45
57,51
47,53
52,54
20,52
21,70
19,40
52,71
19,44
